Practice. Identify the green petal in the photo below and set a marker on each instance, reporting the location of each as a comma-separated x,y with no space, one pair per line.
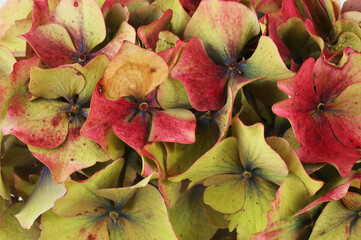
41,199
172,94
266,62
256,154
295,167
252,217
180,17
221,159
80,197
54,227
181,156
11,38
336,220
122,195
92,73
147,216
225,193
10,227
166,41
189,218
58,82
7,61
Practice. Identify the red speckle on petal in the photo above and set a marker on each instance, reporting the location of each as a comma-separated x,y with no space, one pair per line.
91,237
76,4
55,121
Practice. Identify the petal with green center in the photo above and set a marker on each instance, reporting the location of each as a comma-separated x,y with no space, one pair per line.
83,20
221,159
55,227
81,199
254,152
54,83
53,44
23,118
189,217
75,153
173,125
149,33
214,23
134,72
204,81
46,192
7,61
10,227
225,193
252,218
180,17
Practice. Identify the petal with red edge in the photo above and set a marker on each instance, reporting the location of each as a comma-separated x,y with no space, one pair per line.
125,32
204,81
224,27
75,153
53,44
83,20
38,123
149,33
173,125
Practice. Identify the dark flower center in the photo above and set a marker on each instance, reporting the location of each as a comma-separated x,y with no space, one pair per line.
247,175
320,107
208,115
143,107
113,215
82,58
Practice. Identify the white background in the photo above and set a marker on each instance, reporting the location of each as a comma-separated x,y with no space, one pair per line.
3,1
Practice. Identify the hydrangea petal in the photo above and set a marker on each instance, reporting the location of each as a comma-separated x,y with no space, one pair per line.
83,20
23,118
75,153
173,125
214,23
54,83
7,61
53,44
204,81
45,192
133,72
149,33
